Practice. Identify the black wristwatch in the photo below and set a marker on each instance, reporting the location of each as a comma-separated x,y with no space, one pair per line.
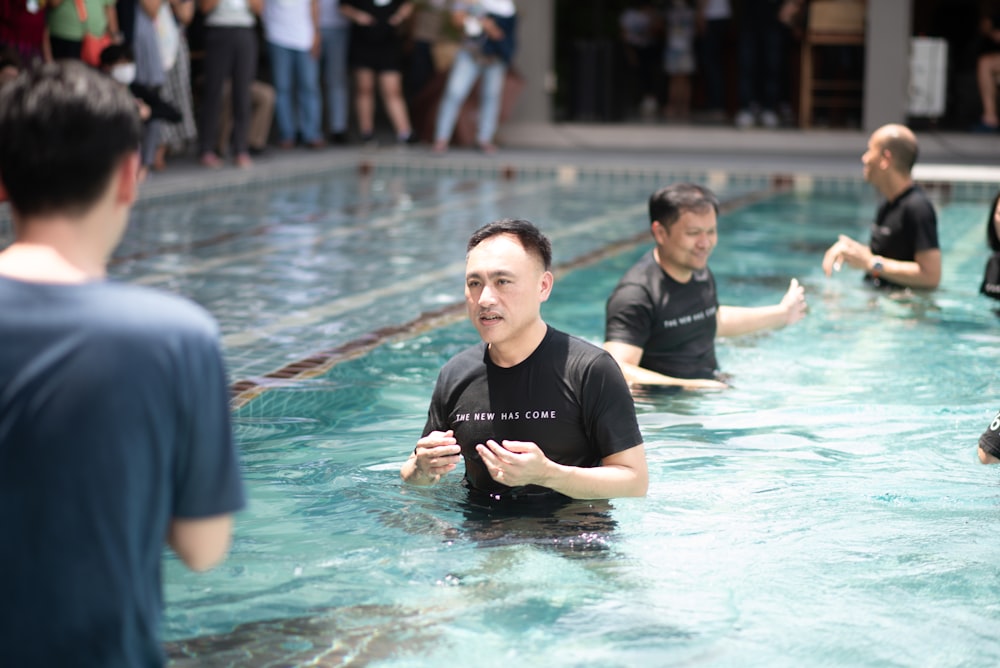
877,268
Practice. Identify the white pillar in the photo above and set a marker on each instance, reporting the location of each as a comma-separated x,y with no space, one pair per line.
535,59
887,62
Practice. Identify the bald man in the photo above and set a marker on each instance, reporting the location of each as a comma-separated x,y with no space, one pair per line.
903,251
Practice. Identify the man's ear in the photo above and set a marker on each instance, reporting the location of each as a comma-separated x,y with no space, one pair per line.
658,231
128,179
546,287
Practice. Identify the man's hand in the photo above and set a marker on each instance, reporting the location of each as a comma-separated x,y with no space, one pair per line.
436,453
794,302
514,463
847,250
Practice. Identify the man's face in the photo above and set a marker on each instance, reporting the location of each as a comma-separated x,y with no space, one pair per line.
685,246
874,160
504,289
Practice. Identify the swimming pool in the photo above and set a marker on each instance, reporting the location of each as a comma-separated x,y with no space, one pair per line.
827,510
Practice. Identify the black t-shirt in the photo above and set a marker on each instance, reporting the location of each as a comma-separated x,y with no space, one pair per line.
674,323
904,227
568,396
990,440
381,10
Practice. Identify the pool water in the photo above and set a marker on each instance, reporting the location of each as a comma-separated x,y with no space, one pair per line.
827,510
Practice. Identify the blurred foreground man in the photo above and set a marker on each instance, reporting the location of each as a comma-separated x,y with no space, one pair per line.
114,420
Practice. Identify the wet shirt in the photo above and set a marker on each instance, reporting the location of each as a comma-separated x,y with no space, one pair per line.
569,397
904,227
674,323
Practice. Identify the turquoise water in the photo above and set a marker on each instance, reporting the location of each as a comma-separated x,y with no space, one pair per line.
826,510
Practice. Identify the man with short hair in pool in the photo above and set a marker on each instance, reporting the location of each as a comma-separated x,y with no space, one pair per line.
537,414
903,251
115,434
662,318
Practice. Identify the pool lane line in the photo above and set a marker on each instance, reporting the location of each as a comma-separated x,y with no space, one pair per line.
336,307
383,221
316,364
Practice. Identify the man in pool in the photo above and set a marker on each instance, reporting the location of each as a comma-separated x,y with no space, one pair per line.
537,414
662,319
115,435
903,251
989,443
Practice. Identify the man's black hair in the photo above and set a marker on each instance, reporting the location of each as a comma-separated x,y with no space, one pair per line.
64,128
667,204
531,238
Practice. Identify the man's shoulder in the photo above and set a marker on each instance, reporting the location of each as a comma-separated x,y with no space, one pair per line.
465,361
156,310
642,270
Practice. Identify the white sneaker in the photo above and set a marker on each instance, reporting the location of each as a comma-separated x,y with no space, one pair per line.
744,119
769,119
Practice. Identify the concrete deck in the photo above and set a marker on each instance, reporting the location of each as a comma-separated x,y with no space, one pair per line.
835,153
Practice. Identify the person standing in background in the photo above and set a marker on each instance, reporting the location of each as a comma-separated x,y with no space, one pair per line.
293,38
176,138
376,54
712,23
489,27
230,53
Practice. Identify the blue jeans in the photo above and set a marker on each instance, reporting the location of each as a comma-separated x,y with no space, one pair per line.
464,73
298,71
334,58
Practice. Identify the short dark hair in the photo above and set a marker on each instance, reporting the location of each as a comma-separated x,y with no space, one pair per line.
115,53
64,127
531,238
667,204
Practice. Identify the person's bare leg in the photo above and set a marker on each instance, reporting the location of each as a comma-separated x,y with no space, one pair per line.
986,74
391,86
364,100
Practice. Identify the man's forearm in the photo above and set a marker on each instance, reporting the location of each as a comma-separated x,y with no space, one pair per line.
599,482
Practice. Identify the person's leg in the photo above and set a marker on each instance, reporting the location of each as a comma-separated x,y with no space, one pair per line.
491,96
218,64
308,101
225,117
364,101
460,81
987,70
244,72
712,45
391,86
340,85
282,75
774,46
261,115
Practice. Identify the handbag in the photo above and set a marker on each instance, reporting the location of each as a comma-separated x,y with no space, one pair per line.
91,47
991,277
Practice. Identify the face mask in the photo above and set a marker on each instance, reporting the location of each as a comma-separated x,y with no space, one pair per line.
124,74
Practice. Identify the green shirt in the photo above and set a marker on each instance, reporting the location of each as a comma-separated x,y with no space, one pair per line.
64,21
